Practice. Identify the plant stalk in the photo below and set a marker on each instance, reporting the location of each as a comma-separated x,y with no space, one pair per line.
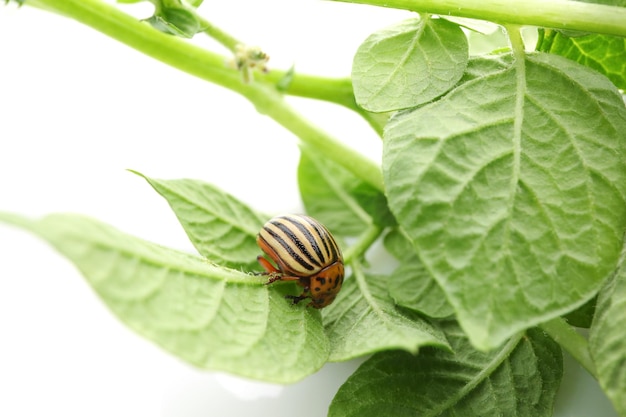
365,240
218,34
211,67
570,340
557,14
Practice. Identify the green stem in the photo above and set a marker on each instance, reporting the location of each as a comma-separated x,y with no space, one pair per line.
517,42
210,67
285,115
218,34
517,45
367,238
557,14
570,340
333,90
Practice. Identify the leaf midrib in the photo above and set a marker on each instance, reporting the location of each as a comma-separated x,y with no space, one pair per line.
401,63
230,221
481,376
204,268
340,192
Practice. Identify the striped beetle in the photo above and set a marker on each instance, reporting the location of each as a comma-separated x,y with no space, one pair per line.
304,251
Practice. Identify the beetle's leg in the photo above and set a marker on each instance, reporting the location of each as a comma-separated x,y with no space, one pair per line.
274,274
295,299
269,268
304,281
280,277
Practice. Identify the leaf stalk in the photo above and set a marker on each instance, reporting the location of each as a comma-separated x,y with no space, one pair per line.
570,340
211,67
557,14
218,34
367,238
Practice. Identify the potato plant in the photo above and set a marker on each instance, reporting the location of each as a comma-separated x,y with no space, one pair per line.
501,193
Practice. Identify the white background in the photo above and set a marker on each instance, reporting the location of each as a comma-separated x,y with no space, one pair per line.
76,110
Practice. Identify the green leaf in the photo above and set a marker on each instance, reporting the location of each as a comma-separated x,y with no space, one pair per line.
484,37
284,83
326,190
178,3
519,379
374,203
399,245
408,64
363,320
480,43
410,284
220,227
512,189
172,17
486,66
343,202
621,3
605,54
607,343
213,317
177,22
583,315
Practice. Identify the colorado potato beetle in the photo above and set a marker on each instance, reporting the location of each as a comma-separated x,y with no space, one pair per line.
304,251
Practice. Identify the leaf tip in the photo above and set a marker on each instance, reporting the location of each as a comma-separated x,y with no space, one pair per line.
132,171
16,220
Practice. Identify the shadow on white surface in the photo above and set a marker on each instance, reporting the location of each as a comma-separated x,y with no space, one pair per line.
202,394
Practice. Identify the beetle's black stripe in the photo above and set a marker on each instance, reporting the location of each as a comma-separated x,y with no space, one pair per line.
321,238
336,255
332,253
300,245
294,253
330,246
296,239
314,242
